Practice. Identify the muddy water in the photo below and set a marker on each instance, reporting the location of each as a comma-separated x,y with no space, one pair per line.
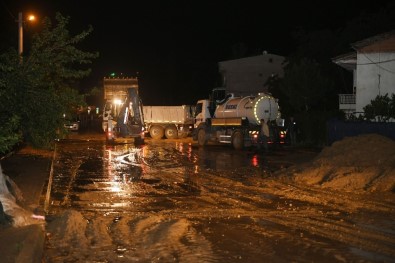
170,201
90,175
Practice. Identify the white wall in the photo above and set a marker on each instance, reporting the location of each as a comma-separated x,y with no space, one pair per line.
375,76
247,76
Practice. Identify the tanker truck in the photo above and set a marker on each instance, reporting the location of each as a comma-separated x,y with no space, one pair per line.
123,113
234,120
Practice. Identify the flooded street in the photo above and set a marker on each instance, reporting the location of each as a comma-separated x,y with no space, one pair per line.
171,201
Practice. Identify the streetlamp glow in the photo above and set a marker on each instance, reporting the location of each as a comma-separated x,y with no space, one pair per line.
31,18
20,30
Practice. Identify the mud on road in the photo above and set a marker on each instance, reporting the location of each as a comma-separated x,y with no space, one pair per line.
171,201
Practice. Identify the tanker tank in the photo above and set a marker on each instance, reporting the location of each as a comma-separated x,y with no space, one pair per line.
254,108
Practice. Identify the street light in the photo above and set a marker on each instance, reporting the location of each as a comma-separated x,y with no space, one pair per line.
20,31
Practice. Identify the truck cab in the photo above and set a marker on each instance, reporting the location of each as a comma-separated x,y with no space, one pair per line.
202,113
205,109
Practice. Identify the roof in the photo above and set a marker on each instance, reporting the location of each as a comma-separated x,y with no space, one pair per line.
383,42
252,58
347,61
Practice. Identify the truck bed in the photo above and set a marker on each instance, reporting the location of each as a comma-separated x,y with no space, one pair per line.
168,114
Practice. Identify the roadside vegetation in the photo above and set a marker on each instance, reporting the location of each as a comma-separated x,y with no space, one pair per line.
382,108
37,88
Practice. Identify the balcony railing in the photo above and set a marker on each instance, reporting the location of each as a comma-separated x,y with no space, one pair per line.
346,99
347,102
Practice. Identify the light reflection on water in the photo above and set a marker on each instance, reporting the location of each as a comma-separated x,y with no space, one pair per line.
177,156
96,174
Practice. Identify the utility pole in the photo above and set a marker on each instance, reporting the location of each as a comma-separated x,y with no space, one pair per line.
20,34
20,31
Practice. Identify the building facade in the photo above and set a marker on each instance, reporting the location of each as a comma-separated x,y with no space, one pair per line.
247,76
373,67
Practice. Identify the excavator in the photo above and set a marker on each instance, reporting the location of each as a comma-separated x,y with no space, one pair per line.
123,110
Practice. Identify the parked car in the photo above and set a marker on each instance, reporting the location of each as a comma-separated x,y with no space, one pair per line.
72,125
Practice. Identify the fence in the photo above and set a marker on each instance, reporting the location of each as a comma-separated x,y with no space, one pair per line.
337,130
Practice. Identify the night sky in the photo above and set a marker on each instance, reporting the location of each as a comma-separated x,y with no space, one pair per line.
174,46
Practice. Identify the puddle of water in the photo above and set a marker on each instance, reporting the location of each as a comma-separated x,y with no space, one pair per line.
123,171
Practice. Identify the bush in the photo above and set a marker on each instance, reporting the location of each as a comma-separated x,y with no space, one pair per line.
9,135
382,108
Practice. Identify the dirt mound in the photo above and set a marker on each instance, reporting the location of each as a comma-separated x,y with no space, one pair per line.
365,162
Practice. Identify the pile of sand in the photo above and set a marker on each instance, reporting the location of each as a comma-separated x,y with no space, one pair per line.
365,162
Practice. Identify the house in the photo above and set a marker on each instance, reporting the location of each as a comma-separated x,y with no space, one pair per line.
373,67
247,76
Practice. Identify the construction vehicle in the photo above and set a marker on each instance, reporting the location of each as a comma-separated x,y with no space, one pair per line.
170,122
225,118
123,114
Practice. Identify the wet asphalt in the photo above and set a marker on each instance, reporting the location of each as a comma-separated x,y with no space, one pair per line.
172,201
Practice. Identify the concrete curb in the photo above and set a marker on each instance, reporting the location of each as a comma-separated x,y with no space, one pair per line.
49,187
32,246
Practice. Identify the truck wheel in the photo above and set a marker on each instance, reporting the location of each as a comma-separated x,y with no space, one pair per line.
171,132
238,140
156,132
202,140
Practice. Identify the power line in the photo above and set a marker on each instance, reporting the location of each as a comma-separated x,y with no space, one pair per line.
380,62
377,64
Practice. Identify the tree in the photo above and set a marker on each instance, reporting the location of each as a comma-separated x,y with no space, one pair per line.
305,93
9,118
303,87
40,90
382,108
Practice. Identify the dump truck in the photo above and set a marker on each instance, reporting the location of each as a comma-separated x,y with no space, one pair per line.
234,120
123,113
169,122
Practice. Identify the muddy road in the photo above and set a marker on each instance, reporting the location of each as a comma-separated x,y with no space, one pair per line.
171,201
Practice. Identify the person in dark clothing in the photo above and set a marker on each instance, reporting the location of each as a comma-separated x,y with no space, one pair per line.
292,130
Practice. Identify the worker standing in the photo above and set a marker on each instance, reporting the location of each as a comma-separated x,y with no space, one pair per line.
264,135
292,130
